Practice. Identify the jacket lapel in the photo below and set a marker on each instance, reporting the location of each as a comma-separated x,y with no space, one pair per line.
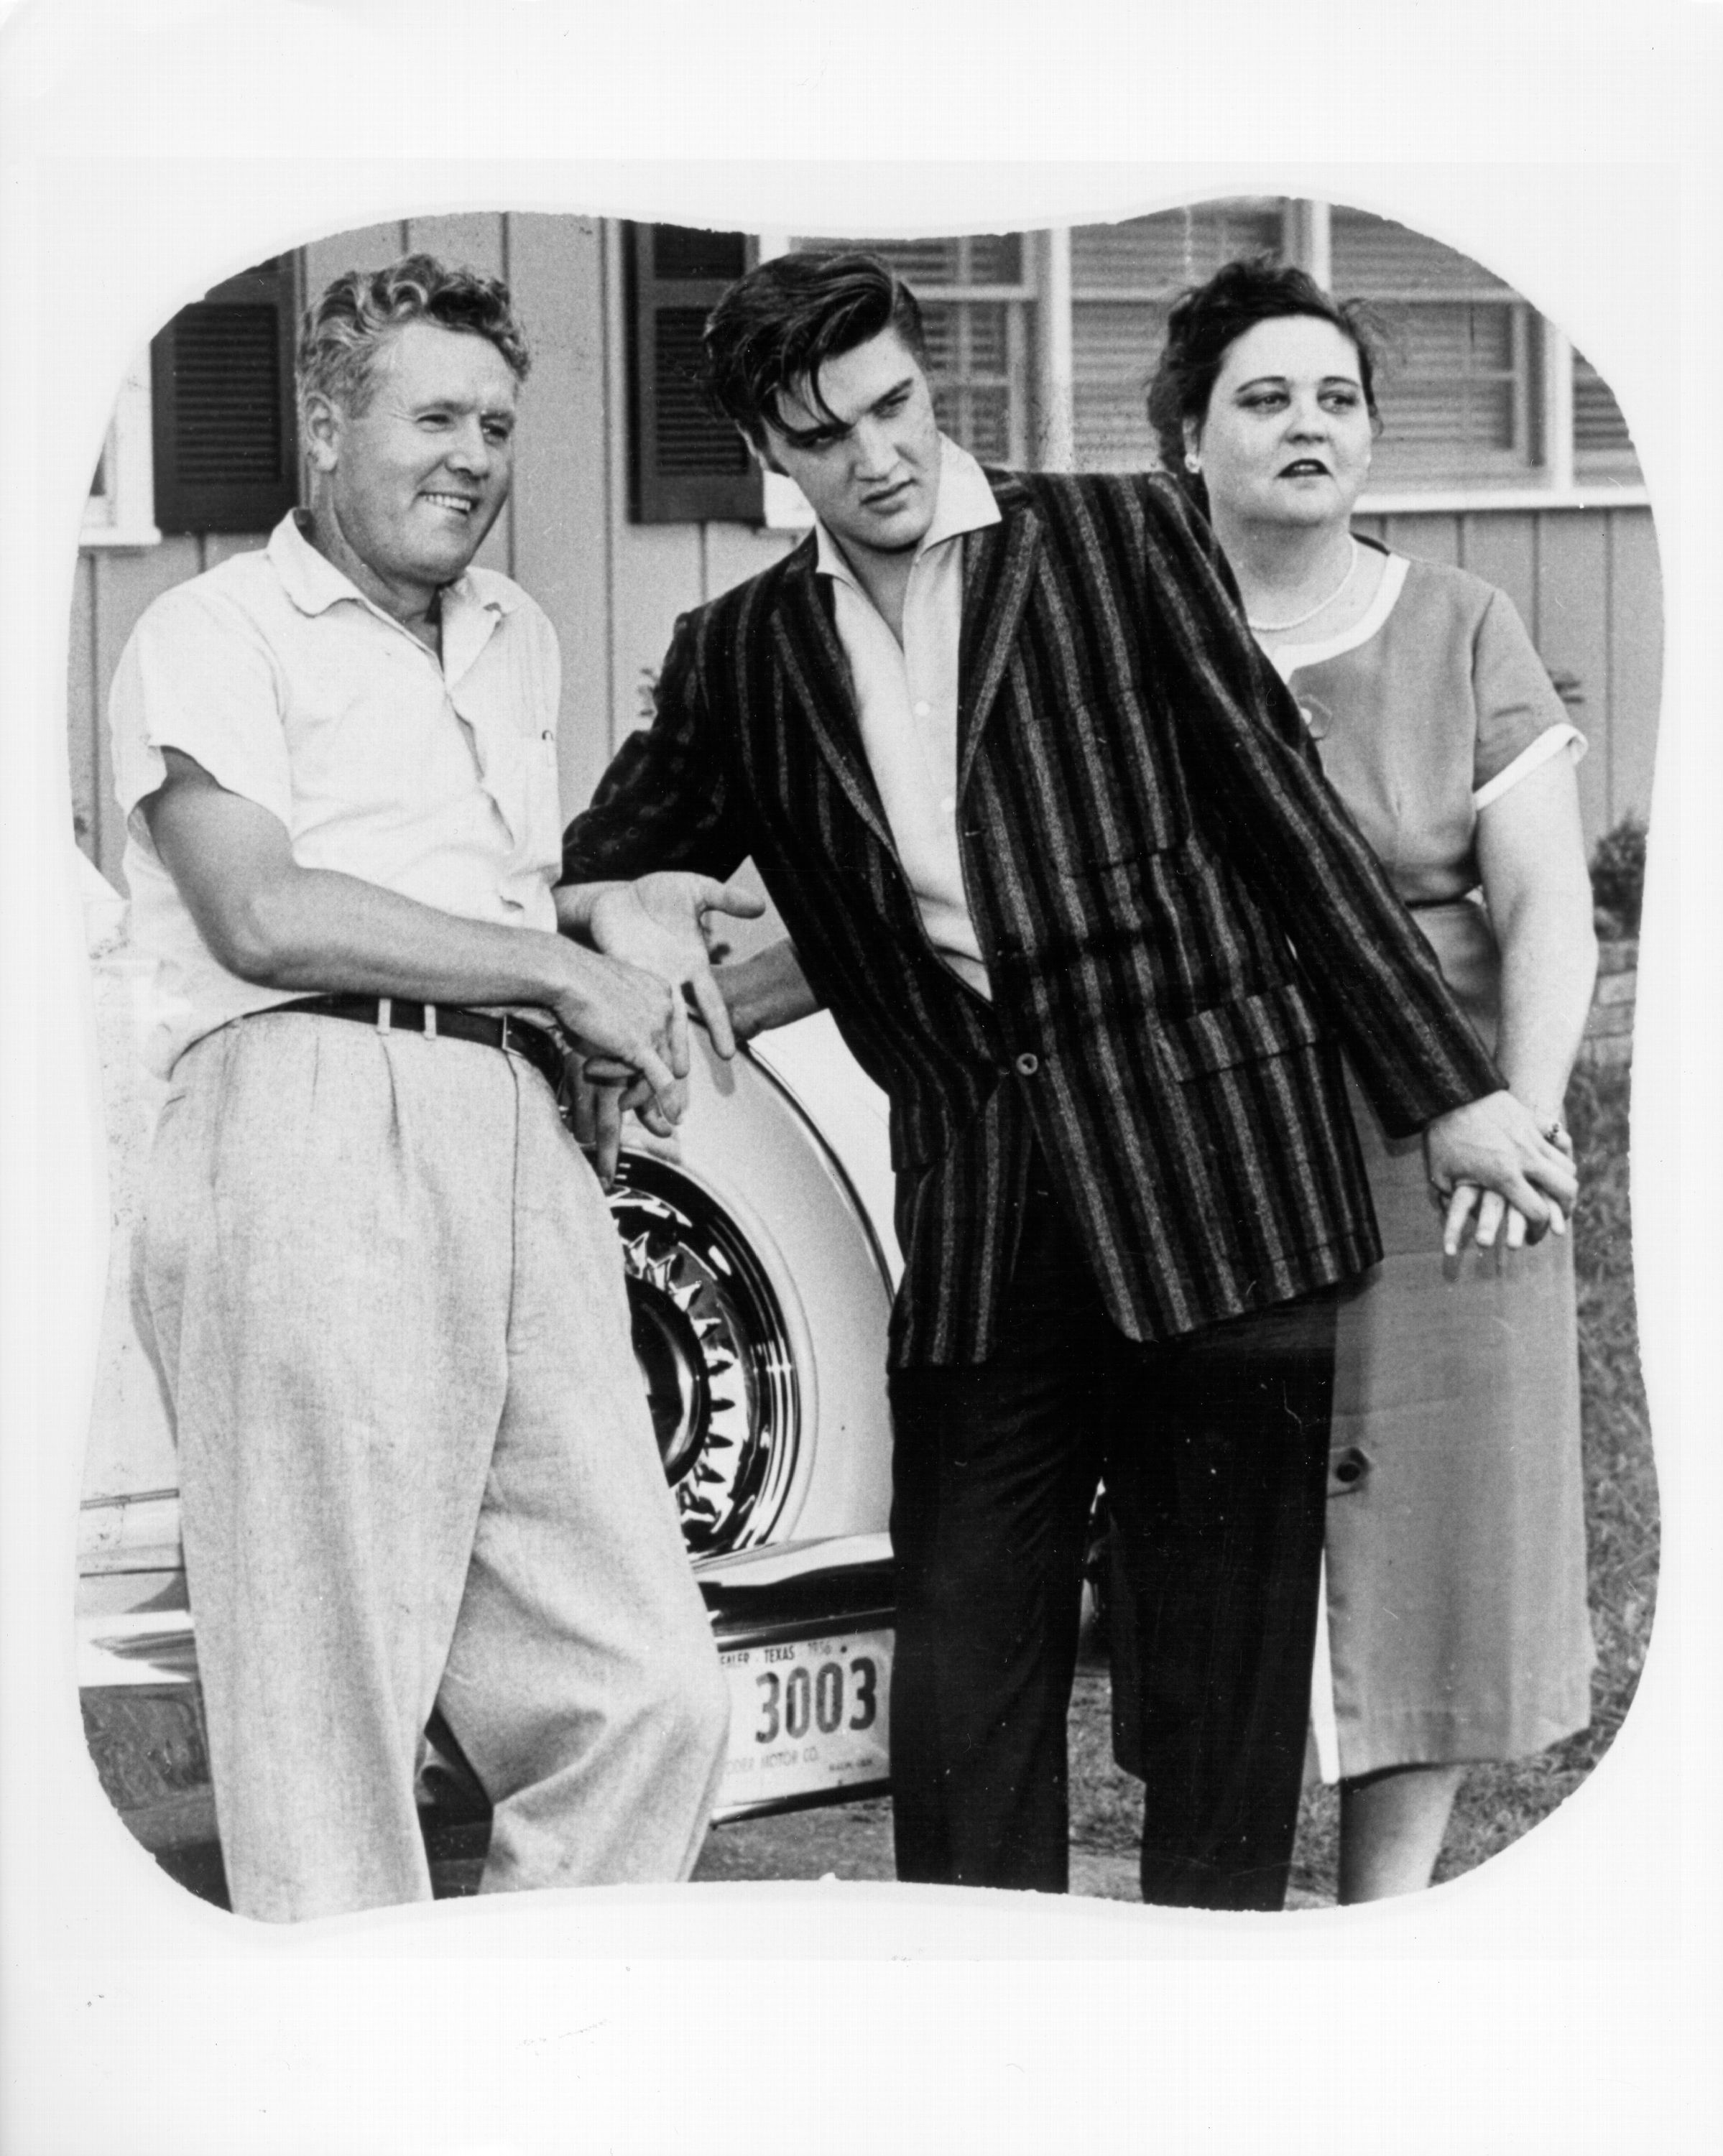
999,572
814,666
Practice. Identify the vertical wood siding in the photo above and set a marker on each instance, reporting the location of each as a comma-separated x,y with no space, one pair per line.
1588,585
1586,582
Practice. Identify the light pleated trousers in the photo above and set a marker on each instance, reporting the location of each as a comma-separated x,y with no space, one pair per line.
417,1468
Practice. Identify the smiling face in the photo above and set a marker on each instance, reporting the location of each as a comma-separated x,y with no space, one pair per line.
1285,438
406,488
869,463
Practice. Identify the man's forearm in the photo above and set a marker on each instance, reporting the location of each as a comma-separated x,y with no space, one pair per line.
767,990
317,929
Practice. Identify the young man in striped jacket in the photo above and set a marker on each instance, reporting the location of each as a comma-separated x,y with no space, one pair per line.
1050,843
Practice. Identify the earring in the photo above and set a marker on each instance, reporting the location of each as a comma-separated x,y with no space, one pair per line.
1193,464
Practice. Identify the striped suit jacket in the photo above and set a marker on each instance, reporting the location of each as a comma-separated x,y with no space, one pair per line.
1181,925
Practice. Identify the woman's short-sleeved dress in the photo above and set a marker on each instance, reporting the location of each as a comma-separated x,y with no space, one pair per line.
1455,1559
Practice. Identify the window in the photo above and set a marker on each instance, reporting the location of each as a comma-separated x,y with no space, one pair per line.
1123,278
1474,393
975,293
1602,447
226,443
1459,392
121,510
1042,345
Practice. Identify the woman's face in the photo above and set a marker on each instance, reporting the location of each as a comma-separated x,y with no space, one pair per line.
1287,436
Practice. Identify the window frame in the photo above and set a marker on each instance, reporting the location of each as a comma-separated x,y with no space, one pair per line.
786,507
122,516
1545,388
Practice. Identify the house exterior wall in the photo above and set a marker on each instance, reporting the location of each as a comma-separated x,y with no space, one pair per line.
1588,585
1587,581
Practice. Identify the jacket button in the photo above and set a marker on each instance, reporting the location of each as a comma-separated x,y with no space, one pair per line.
1028,1066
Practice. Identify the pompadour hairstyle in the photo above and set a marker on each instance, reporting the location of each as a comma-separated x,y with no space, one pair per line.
347,327
775,328
1207,321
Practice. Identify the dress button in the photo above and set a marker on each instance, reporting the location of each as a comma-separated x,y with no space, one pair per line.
1027,1065
1349,1468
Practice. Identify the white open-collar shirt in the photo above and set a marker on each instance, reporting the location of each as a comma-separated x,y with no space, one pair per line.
906,698
432,774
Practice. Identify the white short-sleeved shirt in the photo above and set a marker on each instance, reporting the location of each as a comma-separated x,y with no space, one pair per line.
433,778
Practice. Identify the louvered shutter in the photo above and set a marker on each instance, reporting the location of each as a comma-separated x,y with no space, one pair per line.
226,452
1124,278
688,467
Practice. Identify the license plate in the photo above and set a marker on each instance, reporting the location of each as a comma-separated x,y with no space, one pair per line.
808,1720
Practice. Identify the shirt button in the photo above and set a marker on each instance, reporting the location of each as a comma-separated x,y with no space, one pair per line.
1027,1065
948,807
924,710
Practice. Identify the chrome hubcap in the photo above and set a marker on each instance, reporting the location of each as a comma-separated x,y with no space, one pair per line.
714,1355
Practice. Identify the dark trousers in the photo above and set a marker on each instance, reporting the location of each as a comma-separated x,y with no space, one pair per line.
1214,1452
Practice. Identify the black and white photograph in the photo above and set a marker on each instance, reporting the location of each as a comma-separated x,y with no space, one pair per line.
853,976
1358,464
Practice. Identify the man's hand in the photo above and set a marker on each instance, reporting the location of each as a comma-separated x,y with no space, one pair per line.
270,921
598,1093
662,923
1493,1149
630,1031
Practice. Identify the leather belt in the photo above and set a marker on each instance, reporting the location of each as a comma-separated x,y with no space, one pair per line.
452,1021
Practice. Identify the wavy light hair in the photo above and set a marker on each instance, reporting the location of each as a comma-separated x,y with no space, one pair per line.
347,329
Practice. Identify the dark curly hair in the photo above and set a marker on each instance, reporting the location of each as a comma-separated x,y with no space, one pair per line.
348,325
775,328
1208,319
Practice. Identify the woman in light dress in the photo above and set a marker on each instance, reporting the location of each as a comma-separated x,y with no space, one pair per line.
1456,1612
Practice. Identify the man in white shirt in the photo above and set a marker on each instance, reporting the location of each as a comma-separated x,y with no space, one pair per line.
417,1465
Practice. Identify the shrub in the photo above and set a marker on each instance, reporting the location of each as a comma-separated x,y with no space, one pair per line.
1619,877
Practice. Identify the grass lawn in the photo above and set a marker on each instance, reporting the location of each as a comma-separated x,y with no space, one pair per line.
1498,1803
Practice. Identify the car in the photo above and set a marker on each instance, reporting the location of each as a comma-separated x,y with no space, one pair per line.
760,1260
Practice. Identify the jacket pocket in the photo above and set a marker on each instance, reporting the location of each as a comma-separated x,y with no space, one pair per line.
1243,1031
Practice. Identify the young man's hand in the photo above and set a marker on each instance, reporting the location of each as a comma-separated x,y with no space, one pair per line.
1492,1155
662,923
